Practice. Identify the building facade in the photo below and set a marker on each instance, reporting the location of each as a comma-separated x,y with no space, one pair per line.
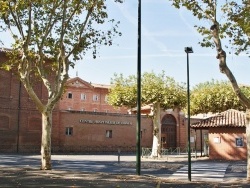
227,135
83,121
80,95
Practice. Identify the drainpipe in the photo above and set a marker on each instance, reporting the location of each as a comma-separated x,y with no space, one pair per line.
201,141
18,116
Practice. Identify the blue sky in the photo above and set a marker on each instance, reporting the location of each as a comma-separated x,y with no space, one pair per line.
166,31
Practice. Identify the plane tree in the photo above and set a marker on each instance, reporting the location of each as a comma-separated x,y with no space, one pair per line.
158,90
48,36
230,22
215,96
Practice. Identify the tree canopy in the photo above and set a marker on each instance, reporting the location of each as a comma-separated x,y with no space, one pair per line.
215,96
154,88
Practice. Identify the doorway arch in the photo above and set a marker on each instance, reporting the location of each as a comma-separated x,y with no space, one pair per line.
168,131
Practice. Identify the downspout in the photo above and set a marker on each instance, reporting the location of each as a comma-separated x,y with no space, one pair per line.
18,116
179,137
201,141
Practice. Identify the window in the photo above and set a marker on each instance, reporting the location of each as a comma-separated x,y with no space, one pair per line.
95,98
217,140
95,109
70,96
106,98
83,97
239,142
69,131
107,111
109,134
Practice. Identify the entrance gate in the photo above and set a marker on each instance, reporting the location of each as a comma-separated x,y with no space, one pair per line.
168,131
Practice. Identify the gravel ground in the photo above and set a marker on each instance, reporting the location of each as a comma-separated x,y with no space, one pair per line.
28,177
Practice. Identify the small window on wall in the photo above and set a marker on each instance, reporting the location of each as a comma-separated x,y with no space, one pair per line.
217,140
95,98
70,96
109,134
83,97
106,99
69,131
239,142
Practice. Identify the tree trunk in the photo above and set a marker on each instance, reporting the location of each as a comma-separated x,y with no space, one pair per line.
248,142
221,56
156,147
46,140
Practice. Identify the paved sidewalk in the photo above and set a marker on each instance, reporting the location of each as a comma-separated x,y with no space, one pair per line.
106,171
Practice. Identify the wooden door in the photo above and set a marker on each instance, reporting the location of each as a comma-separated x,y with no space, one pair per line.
168,131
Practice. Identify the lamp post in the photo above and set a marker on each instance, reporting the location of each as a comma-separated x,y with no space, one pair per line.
188,50
138,127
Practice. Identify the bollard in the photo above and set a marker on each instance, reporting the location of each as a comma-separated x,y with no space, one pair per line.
119,154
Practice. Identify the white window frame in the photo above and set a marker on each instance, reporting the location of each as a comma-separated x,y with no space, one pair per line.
106,99
95,97
83,96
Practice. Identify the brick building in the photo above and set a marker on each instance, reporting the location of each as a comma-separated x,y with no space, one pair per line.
83,121
20,122
227,135
80,95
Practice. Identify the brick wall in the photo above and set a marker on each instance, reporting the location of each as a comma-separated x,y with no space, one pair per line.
20,122
222,143
90,131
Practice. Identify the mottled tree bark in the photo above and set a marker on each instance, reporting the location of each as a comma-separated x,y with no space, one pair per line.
46,141
156,147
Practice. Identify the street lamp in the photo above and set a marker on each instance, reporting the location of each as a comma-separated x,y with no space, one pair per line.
188,50
138,127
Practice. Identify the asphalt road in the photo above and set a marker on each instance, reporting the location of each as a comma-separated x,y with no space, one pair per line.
107,171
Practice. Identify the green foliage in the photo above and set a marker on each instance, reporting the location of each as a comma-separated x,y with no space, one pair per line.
46,28
154,88
123,91
238,24
215,96
233,18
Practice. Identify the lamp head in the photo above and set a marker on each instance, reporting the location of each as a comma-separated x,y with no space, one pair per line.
189,50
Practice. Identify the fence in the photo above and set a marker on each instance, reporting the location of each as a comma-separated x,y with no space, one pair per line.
146,152
72,149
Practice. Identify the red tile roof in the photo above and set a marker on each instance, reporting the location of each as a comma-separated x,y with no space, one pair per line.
229,118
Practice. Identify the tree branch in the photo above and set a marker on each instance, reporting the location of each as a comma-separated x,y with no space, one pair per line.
221,55
17,21
83,26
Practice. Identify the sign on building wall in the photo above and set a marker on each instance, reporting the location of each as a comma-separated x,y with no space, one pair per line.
239,142
108,122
